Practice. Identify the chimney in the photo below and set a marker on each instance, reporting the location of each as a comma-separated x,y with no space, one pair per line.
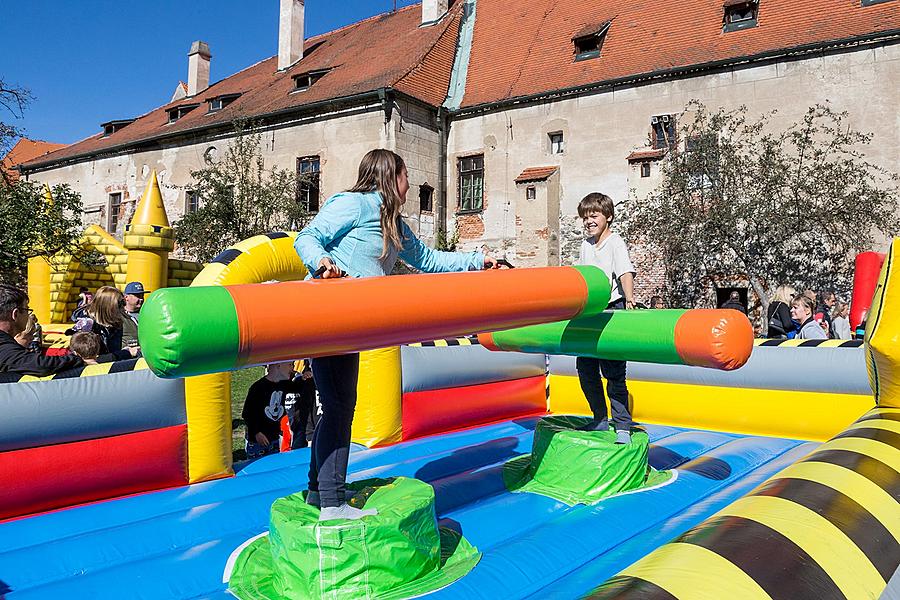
433,10
290,33
198,68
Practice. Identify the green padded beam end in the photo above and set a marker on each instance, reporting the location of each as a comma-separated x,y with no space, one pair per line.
189,331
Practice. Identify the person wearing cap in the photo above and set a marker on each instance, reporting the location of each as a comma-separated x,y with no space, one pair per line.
14,317
134,299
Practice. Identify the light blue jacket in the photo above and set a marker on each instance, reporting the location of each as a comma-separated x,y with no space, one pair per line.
348,230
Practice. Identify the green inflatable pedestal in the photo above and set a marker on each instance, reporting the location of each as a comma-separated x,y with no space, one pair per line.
582,467
398,553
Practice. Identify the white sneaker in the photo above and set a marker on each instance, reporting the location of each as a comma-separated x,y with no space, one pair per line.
345,511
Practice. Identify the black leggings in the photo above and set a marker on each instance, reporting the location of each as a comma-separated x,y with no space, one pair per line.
336,378
589,370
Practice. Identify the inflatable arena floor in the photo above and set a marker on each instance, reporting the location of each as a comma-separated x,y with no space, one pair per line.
772,468
174,543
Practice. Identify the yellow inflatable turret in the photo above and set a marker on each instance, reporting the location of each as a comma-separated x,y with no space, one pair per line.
39,278
149,238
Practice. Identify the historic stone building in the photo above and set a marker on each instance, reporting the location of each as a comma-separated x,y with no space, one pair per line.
507,111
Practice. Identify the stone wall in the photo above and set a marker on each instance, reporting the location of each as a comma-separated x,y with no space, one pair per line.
602,129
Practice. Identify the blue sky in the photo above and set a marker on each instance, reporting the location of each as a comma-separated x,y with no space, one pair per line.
90,61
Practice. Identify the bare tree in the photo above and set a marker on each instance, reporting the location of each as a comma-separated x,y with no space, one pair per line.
739,198
14,99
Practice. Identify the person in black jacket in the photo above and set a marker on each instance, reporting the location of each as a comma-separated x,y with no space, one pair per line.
14,315
823,312
734,303
781,325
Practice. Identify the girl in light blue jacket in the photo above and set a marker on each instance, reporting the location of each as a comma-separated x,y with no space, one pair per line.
360,233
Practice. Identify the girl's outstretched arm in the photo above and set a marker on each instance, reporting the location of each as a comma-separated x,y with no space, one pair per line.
428,260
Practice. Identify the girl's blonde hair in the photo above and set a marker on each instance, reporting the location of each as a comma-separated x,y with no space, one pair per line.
806,301
26,337
784,293
106,307
378,171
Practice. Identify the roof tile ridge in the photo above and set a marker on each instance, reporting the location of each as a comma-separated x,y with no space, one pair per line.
64,146
418,63
215,83
343,29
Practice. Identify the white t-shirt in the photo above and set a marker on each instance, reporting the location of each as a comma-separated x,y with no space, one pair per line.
611,255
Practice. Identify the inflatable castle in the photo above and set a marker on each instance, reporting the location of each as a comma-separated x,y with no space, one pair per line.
143,255
761,469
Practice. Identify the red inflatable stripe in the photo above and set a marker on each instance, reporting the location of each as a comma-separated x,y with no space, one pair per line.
39,479
865,280
437,411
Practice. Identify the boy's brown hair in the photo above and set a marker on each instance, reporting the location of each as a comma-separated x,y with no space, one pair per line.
596,202
85,344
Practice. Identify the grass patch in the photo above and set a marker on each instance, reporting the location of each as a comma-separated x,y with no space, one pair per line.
240,383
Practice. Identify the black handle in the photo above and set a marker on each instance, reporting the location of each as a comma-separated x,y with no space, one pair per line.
505,263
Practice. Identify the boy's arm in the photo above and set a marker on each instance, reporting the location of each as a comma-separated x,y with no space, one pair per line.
624,266
627,281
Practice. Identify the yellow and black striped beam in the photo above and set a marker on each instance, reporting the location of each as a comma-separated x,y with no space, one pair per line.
826,527
267,257
120,366
471,340
795,343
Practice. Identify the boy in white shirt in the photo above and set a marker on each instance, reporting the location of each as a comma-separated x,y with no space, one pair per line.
606,250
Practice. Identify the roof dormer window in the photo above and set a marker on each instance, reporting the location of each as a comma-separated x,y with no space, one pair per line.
219,102
110,127
304,81
740,14
176,112
589,41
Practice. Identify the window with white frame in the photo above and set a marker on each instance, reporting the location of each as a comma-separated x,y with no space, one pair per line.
662,132
308,177
191,201
557,142
471,183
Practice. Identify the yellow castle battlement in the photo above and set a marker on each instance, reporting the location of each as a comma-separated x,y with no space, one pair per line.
54,284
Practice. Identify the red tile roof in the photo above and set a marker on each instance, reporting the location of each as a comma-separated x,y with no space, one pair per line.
23,151
524,47
520,48
535,174
639,155
386,51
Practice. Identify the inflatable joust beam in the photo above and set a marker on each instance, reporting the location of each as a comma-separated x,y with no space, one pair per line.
198,330
715,338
